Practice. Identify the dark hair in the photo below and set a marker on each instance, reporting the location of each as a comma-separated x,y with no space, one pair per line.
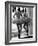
25,9
14,8
19,9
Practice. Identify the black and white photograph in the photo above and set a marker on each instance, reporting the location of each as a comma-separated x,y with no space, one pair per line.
20,24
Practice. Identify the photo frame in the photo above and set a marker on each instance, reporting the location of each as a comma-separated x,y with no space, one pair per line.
20,22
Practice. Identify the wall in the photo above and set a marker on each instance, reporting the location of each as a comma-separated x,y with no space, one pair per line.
2,23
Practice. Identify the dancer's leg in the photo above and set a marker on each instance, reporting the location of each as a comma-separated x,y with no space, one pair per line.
18,31
25,27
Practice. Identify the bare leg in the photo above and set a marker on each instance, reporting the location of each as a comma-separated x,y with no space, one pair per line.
25,28
19,30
